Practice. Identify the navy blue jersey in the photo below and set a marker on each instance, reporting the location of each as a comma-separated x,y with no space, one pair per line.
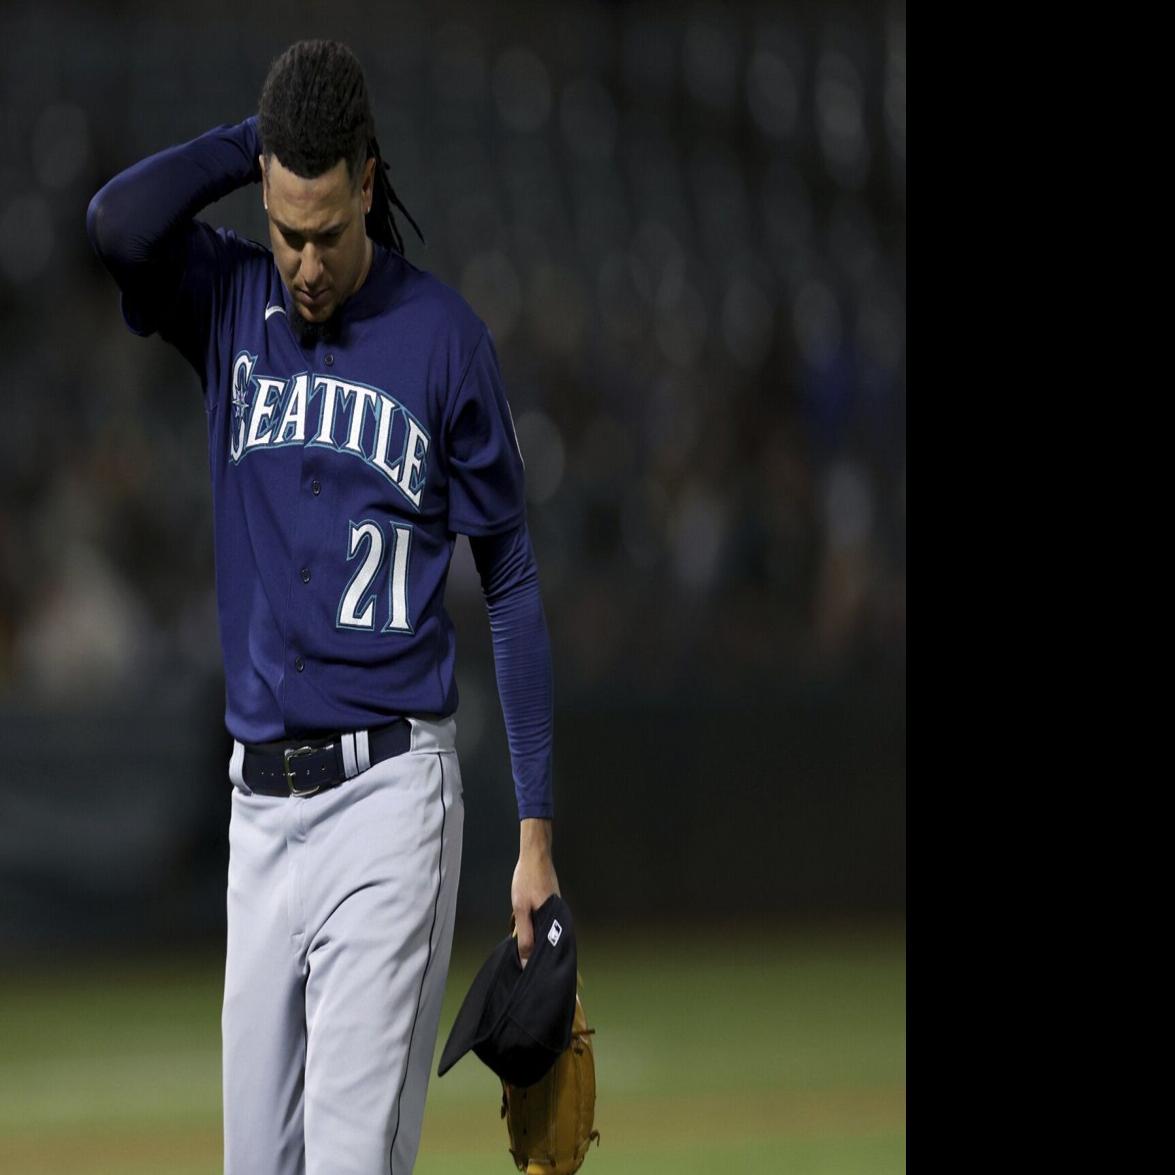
342,470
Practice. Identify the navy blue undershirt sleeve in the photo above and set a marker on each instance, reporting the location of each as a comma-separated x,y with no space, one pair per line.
522,662
167,264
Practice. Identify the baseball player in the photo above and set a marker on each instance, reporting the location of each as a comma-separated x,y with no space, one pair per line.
357,423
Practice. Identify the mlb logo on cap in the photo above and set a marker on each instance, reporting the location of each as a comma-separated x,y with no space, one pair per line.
518,1020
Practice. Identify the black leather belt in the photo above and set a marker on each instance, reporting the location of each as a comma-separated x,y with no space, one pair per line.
305,767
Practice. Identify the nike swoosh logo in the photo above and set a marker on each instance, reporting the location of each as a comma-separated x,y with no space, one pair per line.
270,311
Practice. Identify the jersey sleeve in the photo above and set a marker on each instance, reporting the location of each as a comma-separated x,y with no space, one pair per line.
174,270
183,296
486,486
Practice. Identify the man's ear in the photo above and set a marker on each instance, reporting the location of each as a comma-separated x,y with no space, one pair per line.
368,188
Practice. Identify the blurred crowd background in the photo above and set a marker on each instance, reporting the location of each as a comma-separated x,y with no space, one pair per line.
685,226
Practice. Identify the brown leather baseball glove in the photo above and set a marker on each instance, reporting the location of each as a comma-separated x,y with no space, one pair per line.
550,1122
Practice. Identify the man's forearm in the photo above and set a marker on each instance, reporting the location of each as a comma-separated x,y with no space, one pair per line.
522,663
131,218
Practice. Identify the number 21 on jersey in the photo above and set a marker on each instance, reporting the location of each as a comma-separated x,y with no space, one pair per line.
357,608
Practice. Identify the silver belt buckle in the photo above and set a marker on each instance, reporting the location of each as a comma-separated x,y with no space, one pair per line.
297,753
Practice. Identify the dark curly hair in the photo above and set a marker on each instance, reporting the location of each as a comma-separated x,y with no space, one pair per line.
314,111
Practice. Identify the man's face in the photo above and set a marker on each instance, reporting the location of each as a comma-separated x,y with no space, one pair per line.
316,228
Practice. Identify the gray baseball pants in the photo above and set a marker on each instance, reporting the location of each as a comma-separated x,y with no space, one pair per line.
340,924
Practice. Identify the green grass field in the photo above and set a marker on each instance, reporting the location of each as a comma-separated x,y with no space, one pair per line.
777,1052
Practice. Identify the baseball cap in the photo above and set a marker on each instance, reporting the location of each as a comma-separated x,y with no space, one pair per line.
518,1020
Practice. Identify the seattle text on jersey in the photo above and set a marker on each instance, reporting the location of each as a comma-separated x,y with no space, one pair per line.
313,409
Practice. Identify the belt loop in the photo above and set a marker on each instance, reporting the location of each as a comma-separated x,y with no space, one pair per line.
362,751
236,767
349,764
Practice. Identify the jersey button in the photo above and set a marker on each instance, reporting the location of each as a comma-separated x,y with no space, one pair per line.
329,358
305,574
316,487
299,664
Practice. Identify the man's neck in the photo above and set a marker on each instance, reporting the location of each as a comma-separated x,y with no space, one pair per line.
369,252
311,333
